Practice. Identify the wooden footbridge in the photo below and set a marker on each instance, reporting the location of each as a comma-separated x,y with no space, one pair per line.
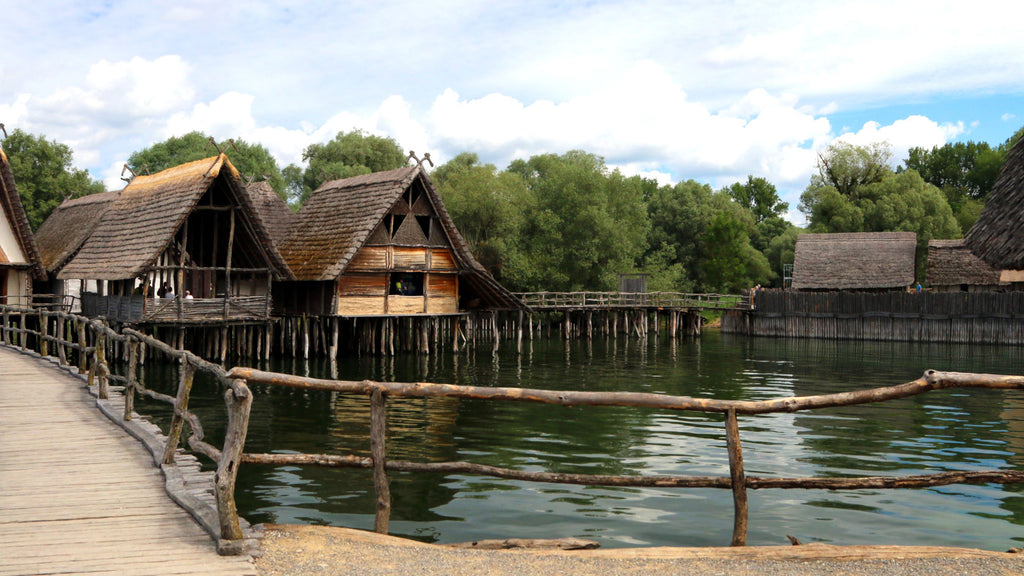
630,312
78,495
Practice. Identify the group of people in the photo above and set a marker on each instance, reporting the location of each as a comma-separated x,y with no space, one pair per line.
167,291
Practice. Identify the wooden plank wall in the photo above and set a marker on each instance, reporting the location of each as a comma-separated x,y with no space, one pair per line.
954,317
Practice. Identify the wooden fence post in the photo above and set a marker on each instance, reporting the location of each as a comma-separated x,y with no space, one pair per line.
739,479
62,354
23,335
129,389
186,373
378,432
44,344
238,405
83,354
102,370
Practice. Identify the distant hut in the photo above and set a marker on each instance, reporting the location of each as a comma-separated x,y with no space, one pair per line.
272,210
62,235
193,228
998,235
382,244
953,268
866,261
19,257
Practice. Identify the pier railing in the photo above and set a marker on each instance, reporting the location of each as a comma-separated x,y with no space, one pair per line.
738,482
238,399
605,300
61,335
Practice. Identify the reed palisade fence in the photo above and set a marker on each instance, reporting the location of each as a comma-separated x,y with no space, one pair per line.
25,328
950,317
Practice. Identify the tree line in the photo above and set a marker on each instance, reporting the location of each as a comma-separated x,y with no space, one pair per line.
568,222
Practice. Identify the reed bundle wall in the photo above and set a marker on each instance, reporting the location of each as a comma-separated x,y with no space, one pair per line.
953,317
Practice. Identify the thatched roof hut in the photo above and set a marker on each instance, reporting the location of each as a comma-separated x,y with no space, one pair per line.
855,261
998,235
69,226
951,266
19,257
368,234
196,228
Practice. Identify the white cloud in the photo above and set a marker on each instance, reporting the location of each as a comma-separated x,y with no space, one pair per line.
910,132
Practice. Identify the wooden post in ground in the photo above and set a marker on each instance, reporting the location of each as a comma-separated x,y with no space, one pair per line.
739,481
62,355
23,335
378,433
186,372
239,403
102,370
44,344
129,389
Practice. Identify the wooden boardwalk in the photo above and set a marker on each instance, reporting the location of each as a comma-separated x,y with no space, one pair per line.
78,495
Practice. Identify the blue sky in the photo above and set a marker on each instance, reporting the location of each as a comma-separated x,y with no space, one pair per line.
670,89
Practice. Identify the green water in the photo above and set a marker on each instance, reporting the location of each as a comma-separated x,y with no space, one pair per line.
940,431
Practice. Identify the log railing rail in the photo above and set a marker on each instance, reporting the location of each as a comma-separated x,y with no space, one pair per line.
93,340
738,482
606,300
238,398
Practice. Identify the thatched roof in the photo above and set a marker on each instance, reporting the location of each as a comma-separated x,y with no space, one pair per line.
69,226
854,261
15,214
141,223
340,215
950,263
273,211
998,235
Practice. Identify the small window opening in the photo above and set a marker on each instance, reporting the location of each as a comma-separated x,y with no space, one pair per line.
406,284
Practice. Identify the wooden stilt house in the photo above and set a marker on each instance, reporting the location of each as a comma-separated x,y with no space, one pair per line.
19,257
193,230
61,236
382,244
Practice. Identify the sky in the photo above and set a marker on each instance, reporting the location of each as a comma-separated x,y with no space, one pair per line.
712,91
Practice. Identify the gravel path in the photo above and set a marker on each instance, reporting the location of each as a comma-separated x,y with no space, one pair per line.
325,551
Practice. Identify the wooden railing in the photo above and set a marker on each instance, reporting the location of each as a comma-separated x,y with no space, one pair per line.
239,398
602,300
59,333
138,308
738,482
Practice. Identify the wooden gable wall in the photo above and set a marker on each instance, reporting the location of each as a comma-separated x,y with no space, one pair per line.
408,245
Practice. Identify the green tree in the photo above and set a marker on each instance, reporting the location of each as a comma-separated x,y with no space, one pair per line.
760,197
253,161
487,207
582,225
846,167
349,154
44,175
703,240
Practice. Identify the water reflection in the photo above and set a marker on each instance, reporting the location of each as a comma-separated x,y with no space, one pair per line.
941,431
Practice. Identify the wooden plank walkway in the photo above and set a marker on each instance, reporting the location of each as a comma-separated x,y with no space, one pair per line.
78,495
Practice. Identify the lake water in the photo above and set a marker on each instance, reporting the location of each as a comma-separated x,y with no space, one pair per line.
936,432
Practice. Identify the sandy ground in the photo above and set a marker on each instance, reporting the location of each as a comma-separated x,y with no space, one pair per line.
327,551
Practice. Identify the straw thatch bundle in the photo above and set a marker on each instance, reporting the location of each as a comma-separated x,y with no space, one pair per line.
855,261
